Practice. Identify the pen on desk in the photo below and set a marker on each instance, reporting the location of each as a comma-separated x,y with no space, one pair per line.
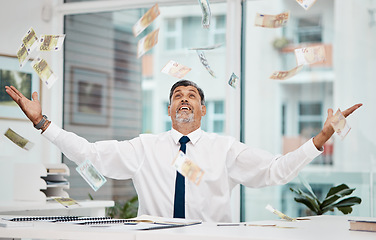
231,224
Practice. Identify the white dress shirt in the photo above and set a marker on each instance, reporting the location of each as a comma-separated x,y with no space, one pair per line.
147,160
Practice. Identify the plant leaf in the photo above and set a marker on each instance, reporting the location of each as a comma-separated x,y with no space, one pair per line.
336,189
335,196
309,201
347,202
345,210
309,204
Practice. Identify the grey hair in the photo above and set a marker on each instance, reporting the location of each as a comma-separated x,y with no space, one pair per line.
187,83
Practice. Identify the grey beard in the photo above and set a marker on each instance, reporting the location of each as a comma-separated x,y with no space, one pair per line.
181,119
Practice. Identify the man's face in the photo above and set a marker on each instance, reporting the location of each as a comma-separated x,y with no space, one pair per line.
186,106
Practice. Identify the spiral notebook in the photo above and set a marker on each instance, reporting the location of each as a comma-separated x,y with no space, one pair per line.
55,218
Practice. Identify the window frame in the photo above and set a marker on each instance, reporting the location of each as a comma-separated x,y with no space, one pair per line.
233,56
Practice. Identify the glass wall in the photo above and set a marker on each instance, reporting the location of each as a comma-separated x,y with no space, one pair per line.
110,93
280,115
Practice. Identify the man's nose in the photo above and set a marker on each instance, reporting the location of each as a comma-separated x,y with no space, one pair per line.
184,100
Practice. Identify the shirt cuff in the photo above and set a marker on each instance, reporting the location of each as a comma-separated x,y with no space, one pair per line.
52,132
310,149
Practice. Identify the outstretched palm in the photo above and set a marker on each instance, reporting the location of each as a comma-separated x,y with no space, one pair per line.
32,109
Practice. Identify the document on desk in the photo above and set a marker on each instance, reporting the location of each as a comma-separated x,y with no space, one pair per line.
143,226
163,220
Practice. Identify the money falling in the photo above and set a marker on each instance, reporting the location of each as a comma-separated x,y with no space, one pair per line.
91,175
175,69
306,4
188,168
204,62
51,42
18,139
340,125
146,20
271,21
310,55
45,73
233,82
206,13
282,75
147,43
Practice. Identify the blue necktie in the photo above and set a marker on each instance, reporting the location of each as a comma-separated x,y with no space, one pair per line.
179,201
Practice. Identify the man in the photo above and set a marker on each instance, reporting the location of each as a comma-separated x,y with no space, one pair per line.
147,159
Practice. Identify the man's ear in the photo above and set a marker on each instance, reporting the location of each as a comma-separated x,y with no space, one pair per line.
168,110
203,110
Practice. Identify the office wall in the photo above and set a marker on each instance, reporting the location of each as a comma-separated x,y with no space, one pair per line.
16,17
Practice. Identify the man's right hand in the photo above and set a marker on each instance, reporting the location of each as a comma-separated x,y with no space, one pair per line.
32,109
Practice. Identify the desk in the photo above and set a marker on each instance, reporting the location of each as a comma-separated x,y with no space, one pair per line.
53,208
318,228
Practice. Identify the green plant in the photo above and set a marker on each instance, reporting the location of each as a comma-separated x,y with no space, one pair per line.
334,199
124,210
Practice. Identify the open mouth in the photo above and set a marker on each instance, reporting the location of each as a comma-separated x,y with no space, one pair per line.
184,108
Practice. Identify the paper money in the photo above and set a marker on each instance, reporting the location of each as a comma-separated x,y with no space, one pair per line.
206,14
271,21
18,140
306,4
147,43
279,214
66,202
282,75
175,69
91,175
44,71
204,62
30,40
208,47
23,55
188,168
340,125
146,20
310,55
51,42
233,82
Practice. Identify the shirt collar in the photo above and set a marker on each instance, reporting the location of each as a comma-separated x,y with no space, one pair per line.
193,136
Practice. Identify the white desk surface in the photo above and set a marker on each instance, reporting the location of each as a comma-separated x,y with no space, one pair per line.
318,228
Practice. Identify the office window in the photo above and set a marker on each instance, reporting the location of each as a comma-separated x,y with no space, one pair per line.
309,29
215,117
173,33
218,34
102,88
179,32
310,119
282,115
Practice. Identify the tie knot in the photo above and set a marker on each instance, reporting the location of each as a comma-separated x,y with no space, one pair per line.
184,140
